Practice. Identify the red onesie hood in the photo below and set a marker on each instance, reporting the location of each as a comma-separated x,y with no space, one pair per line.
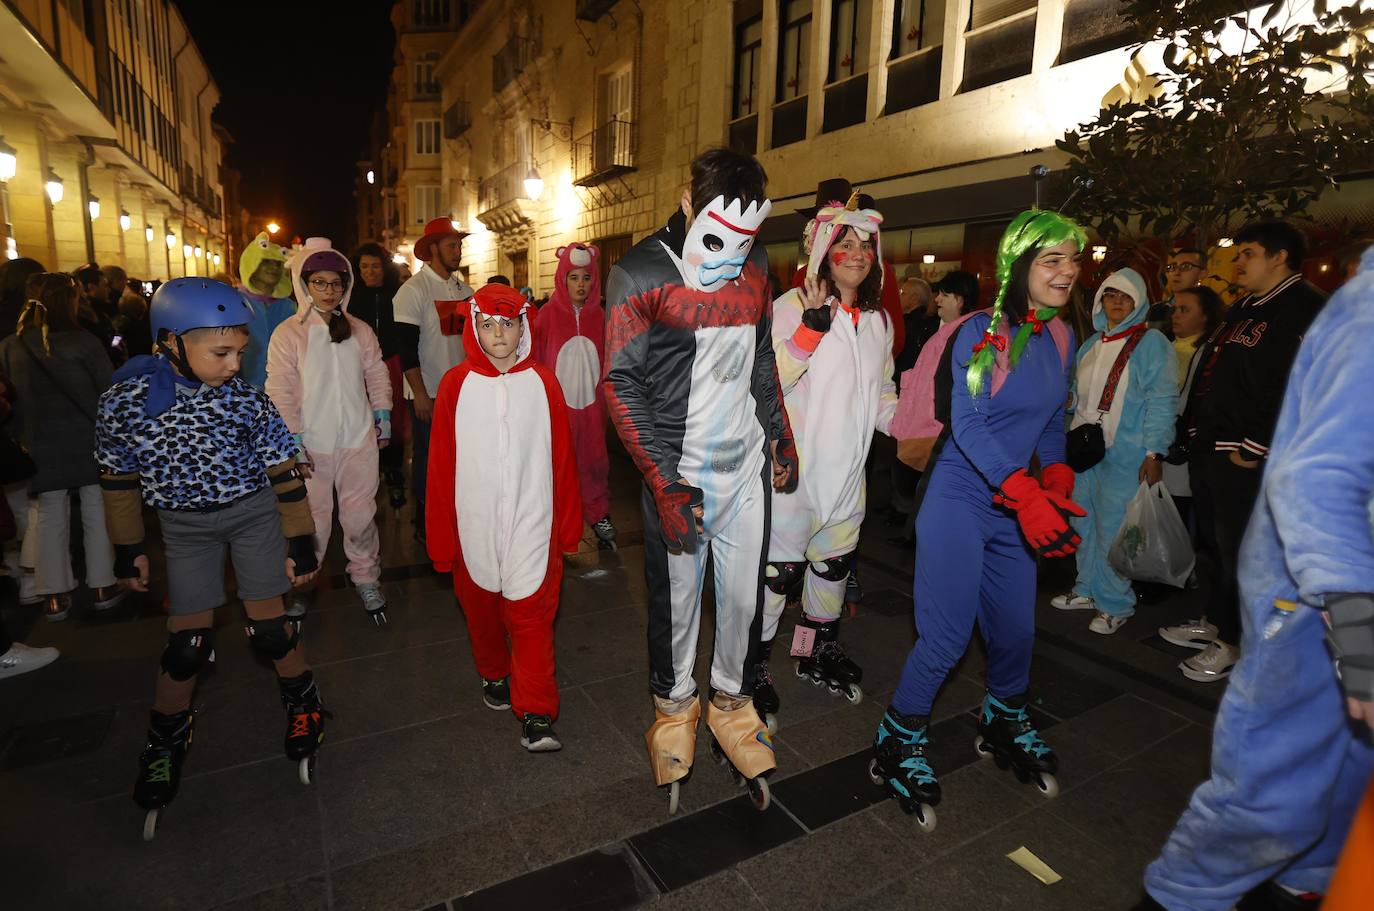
498,300
557,320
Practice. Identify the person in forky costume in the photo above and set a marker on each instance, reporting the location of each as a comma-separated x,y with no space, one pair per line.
833,344
693,392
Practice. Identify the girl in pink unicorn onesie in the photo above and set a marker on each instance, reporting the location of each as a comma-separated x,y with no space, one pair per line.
326,376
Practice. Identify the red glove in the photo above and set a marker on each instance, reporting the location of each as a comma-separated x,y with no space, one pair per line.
1042,514
1058,478
676,520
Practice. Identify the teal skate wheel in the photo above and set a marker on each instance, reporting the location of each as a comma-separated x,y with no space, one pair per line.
150,825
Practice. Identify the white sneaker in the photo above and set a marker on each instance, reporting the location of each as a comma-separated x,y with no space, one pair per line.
1073,602
21,659
1211,664
1106,624
1191,634
373,601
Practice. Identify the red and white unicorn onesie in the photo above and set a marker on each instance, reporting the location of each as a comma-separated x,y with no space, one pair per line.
330,394
571,343
503,506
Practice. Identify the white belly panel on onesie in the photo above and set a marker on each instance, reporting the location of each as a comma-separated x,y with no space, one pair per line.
839,396
722,447
334,406
578,370
503,491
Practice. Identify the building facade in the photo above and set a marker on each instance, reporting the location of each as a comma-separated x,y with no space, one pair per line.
567,121
106,106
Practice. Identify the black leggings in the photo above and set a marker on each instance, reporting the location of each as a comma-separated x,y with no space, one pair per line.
1224,495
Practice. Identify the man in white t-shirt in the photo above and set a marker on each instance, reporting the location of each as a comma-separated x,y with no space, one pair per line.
429,311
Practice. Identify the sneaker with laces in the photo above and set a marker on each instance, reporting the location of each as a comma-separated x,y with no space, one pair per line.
1073,602
1106,624
496,694
1211,664
374,602
21,659
537,736
605,533
1190,634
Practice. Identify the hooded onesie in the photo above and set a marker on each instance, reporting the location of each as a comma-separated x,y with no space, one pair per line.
1140,421
270,310
503,505
692,389
837,387
336,398
1288,763
973,559
571,343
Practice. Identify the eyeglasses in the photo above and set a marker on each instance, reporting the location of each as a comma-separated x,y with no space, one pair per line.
1113,294
320,284
1181,267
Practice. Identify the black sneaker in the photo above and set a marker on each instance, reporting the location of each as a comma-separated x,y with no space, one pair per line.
496,694
537,735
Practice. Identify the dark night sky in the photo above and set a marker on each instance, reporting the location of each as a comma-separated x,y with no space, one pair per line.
299,85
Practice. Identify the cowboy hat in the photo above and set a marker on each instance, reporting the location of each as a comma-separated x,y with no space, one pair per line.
435,230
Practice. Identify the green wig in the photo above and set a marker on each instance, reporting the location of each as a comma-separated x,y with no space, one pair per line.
1033,229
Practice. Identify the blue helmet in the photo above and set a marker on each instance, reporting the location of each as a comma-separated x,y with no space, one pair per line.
183,304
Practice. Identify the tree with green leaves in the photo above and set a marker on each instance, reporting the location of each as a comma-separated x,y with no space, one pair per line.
1251,114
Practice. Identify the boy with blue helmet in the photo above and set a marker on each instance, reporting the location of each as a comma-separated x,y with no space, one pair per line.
182,431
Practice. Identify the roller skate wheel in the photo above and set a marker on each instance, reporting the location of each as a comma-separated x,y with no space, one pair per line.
306,770
854,693
873,775
796,666
674,796
1048,785
379,618
981,748
758,792
925,818
770,722
150,824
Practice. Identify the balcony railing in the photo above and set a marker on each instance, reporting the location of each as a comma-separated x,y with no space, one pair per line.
503,187
592,10
604,153
456,120
509,62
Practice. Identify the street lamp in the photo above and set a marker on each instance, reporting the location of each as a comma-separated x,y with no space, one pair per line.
11,248
273,227
199,252
928,258
124,220
371,177
185,251
9,161
93,206
1225,242
534,184
148,233
216,259
171,241
1099,253
53,186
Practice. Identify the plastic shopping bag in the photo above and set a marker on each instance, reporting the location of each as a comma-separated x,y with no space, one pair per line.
1153,545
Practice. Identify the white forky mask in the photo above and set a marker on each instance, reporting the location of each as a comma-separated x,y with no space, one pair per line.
718,242
830,220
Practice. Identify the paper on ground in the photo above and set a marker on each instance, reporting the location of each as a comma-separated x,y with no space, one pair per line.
1033,865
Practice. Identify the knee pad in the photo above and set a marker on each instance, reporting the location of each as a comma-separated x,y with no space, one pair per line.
784,578
836,569
187,653
274,637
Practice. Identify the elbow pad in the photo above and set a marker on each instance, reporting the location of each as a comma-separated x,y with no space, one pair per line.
1351,635
292,505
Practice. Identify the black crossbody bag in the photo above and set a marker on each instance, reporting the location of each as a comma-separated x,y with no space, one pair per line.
1086,445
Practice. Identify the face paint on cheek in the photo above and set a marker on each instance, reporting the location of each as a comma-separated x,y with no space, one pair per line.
869,256
838,257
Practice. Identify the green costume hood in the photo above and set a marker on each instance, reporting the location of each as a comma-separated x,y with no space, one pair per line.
259,249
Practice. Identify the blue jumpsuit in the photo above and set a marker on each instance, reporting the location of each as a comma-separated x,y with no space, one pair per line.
1288,765
972,561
